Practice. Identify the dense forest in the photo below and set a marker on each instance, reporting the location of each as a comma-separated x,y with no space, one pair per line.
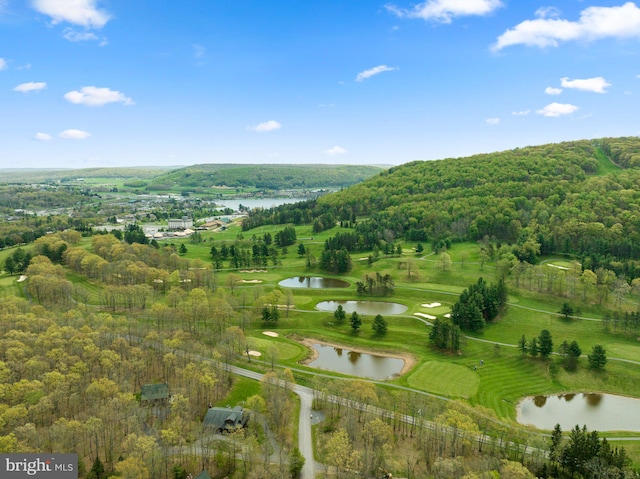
580,198
269,177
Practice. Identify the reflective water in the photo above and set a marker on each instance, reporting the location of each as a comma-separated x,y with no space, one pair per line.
600,412
252,203
363,307
363,365
314,282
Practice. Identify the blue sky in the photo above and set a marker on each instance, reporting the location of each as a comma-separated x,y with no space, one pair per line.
88,83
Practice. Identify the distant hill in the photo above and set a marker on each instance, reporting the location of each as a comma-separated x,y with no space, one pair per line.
269,177
580,198
44,175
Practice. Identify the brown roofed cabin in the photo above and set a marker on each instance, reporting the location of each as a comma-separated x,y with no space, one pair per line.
154,395
224,419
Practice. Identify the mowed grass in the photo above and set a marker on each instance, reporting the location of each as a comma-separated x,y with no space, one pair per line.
9,286
287,350
446,379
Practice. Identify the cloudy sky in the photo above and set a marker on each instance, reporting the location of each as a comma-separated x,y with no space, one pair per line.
173,82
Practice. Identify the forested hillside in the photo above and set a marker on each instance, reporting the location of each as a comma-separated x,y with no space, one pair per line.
264,176
580,198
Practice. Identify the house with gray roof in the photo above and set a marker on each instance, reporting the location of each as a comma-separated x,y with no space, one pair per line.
224,419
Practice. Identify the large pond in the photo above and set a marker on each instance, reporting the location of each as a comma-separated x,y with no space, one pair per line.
363,365
314,282
600,412
363,307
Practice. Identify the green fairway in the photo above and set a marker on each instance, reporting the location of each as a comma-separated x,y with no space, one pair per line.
445,378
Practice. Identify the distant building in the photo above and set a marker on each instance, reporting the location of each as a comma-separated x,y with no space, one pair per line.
181,224
224,419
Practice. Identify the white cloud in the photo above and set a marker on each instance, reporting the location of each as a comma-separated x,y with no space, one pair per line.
594,23
78,12
73,134
373,71
30,86
3,63
335,150
270,125
444,10
74,36
547,12
492,121
95,96
552,91
596,85
42,136
557,109
521,113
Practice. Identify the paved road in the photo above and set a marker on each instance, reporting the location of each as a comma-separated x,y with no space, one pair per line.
305,439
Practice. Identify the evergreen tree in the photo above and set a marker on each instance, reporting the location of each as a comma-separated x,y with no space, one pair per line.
545,343
97,469
379,325
556,442
339,314
356,321
522,345
598,357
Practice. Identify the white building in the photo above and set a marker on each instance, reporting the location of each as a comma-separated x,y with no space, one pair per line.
181,224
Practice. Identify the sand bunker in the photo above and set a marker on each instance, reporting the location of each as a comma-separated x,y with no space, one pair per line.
270,333
255,353
21,278
252,281
430,305
558,266
252,271
448,315
423,315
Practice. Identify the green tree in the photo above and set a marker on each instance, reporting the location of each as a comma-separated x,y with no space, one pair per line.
301,250
598,357
296,463
545,343
556,442
567,310
183,249
339,314
379,325
97,469
10,265
356,321
522,345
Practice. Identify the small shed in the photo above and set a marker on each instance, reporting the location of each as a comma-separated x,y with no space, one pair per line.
224,419
154,394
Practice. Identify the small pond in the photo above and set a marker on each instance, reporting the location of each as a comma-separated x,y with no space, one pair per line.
314,282
600,412
363,365
363,307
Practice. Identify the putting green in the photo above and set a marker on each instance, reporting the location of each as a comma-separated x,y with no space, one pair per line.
287,351
446,379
